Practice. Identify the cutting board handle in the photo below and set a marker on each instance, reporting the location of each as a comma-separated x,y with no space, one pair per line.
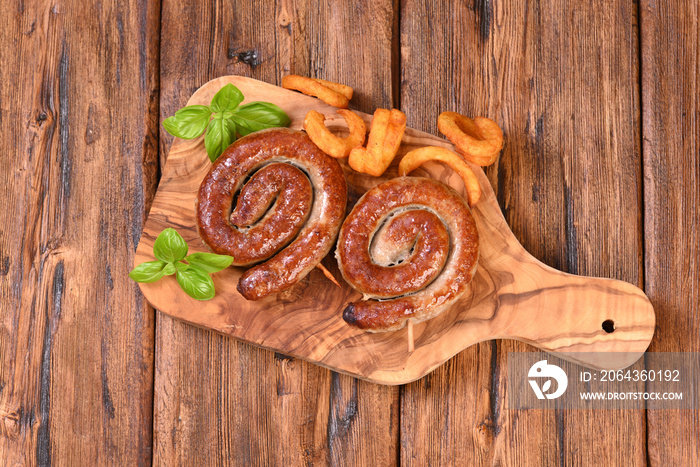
599,323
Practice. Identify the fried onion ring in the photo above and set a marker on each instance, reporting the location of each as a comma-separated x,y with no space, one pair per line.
337,87
318,88
414,159
330,143
388,127
479,140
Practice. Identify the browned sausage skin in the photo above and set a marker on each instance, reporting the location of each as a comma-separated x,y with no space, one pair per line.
289,201
413,239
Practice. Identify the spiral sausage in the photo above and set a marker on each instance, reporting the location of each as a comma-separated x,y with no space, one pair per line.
410,245
289,201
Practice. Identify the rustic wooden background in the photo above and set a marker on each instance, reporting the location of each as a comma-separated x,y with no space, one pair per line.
600,176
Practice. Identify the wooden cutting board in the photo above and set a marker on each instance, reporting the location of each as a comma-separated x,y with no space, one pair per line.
512,296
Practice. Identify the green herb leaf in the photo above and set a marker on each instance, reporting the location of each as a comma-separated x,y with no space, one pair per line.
209,262
258,116
169,269
148,272
221,132
188,122
226,99
196,283
170,246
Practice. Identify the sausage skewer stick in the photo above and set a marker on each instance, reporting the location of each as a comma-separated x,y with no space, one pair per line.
328,274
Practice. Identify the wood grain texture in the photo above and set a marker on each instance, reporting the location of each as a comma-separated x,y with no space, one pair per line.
670,41
318,416
513,295
562,81
78,111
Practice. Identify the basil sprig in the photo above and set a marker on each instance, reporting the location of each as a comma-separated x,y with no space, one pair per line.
170,249
223,119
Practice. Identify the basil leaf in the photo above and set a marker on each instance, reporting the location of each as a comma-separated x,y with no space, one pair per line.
169,269
209,262
226,99
258,116
196,283
221,132
169,246
181,267
148,272
188,122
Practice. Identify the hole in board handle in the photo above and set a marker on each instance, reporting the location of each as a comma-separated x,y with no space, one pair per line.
609,326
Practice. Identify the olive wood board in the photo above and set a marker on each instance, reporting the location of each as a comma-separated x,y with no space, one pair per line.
512,295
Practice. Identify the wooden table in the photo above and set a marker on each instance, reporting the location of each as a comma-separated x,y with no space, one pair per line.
600,176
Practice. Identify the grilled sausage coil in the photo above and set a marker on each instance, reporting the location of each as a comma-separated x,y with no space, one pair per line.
289,200
410,245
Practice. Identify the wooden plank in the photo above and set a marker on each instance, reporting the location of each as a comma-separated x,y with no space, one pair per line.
454,415
670,43
218,400
78,111
562,81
